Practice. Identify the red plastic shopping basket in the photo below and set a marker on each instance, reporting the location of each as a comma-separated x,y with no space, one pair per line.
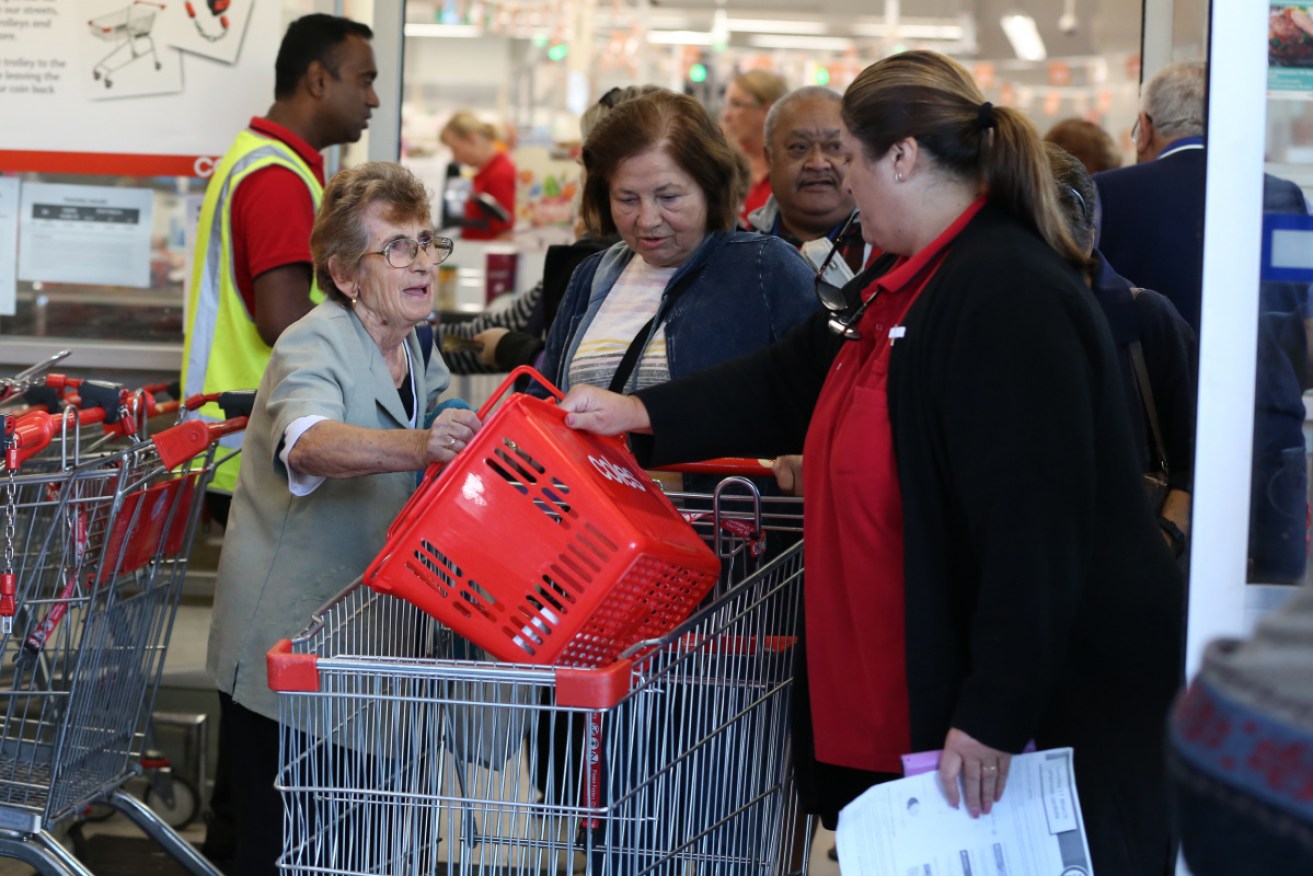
542,544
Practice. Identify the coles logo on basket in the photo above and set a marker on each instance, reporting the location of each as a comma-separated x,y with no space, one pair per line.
617,473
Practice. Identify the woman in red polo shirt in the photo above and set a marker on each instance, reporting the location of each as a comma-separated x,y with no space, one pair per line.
982,566
473,142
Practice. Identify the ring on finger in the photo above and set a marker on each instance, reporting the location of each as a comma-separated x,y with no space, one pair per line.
451,441
989,769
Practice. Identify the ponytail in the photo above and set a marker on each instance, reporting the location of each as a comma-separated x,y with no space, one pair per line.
1017,177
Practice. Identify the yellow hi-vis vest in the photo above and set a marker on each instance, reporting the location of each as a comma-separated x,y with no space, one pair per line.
223,349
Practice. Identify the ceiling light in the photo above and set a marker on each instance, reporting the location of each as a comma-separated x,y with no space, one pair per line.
1024,36
951,29
679,37
789,41
775,25
443,30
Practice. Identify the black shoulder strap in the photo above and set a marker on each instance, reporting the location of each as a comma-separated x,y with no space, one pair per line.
630,359
425,332
1146,396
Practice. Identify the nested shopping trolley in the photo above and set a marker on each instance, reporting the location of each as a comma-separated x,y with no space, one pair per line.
405,752
95,545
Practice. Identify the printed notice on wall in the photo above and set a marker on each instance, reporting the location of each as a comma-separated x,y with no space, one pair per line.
9,186
85,234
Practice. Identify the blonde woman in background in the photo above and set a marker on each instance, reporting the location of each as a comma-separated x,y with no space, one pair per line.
490,211
748,97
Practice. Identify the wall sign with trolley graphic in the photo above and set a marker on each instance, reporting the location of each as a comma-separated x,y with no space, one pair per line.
124,56
163,84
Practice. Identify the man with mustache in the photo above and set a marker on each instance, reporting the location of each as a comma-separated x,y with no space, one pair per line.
806,166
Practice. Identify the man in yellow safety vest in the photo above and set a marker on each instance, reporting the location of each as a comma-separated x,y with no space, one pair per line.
252,273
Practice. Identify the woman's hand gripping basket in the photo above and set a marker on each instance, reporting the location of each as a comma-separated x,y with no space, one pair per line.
544,545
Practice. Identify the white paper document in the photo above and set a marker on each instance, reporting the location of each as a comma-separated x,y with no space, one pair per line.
85,234
907,828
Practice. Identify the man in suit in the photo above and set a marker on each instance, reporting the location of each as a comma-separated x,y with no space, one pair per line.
1152,213
1152,219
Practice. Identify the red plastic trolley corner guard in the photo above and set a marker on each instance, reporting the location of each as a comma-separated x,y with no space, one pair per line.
292,673
189,439
599,688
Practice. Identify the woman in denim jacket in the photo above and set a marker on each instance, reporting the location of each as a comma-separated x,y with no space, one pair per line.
682,290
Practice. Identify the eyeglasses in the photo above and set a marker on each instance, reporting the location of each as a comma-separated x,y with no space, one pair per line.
1135,128
1084,207
832,297
402,252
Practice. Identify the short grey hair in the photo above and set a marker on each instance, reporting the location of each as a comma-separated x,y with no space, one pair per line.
798,95
1174,99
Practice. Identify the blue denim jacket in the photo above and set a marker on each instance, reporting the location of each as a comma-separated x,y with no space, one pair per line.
740,291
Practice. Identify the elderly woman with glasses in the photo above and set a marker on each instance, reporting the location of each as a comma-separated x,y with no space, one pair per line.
331,452
983,569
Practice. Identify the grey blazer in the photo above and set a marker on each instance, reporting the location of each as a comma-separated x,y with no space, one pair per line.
283,555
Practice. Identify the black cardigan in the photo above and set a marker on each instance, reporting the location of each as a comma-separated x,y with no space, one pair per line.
1041,601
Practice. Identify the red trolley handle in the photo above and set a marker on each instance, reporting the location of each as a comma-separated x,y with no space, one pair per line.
234,402
726,466
191,438
27,434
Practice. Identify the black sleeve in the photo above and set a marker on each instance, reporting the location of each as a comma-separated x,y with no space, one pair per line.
759,405
518,348
1171,358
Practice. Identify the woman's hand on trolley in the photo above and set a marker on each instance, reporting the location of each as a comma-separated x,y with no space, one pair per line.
984,772
788,473
450,433
590,409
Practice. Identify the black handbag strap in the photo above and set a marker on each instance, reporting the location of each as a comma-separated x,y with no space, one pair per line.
630,358
1146,397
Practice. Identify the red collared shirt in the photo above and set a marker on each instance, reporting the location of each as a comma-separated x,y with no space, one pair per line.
496,179
272,214
758,195
856,637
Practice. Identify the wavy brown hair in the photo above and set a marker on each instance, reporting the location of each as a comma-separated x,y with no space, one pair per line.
339,231
678,125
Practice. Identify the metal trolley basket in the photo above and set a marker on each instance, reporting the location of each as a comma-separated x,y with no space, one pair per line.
400,758
94,556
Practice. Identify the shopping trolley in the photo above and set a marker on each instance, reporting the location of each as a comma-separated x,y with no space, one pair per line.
12,388
94,558
400,754
129,27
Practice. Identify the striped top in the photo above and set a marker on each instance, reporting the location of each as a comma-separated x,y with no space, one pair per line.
632,301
